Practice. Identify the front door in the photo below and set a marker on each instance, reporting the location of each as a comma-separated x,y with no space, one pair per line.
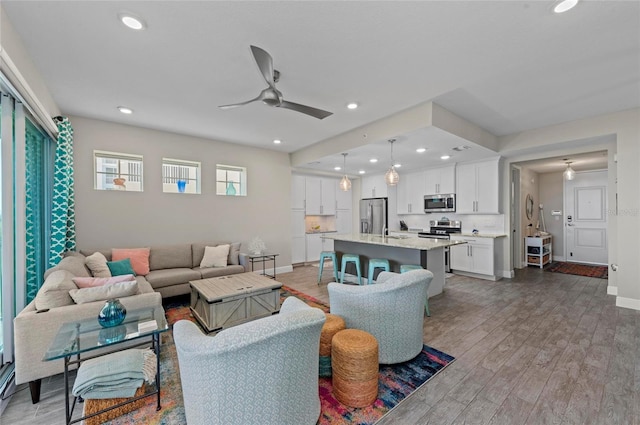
586,217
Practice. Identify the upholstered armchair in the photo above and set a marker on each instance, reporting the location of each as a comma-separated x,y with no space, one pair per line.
392,310
260,372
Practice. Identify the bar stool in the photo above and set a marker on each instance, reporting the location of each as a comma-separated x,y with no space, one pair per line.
407,267
377,263
351,258
331,255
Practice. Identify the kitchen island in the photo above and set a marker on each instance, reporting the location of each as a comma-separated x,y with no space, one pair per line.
429,253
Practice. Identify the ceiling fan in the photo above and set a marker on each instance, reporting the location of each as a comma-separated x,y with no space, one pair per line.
272,96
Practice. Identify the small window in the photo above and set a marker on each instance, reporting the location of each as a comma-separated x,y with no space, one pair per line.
231,180
117,171
180,176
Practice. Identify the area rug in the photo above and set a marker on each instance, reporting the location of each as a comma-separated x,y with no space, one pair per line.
396,382
587,270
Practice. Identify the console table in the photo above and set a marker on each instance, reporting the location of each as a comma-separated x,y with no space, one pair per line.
76,338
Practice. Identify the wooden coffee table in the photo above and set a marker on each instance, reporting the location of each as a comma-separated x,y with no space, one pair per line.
225,301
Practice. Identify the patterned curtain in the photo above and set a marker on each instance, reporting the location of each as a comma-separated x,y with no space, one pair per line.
63,218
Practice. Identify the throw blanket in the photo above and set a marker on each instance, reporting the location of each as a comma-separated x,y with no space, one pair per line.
115,375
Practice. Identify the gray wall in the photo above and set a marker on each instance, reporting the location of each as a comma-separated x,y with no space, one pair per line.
135,219
551,196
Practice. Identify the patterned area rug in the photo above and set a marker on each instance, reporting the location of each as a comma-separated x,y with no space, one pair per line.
396,382
588,270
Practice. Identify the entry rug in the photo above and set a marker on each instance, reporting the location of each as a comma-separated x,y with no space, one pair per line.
395,382
587,270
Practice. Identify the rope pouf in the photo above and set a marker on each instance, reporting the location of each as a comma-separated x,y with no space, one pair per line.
354,356
332,325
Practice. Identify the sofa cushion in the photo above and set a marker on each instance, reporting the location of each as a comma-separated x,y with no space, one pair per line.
170,257
100,293
168,277
139,258
97,263
74,265
55,290
215,256
198,252
90,282
219,271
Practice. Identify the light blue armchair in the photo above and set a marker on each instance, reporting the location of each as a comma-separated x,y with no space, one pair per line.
260,372
392,310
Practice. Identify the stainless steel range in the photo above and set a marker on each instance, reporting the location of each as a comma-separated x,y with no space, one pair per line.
441,229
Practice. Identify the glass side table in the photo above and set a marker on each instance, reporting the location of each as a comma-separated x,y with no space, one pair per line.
264,258
80,338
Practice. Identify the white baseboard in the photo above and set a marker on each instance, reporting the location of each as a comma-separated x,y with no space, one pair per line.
612,290
509,274
628,303
558,258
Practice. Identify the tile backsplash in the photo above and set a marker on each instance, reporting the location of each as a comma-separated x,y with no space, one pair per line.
493,223
320,223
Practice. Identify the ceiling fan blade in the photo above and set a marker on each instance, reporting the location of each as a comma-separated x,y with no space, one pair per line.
265,63
234,105
317,113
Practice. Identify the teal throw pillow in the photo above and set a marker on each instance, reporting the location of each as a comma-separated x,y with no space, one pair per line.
118,268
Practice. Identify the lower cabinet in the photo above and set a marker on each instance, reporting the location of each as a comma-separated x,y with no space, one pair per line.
477,256
315,245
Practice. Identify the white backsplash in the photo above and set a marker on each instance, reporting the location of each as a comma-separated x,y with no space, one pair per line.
493,223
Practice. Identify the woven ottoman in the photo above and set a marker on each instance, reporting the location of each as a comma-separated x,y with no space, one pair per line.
332,325
354,357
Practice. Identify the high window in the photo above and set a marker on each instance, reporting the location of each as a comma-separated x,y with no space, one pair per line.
117,171
231,180
179,176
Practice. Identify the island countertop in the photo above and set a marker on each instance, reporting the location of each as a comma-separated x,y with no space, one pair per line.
425,244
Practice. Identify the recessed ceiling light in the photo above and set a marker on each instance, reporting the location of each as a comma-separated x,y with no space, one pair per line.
445,157
421,150
337,168
352,105
361,172
565,5
373,160
277,141
397,165
125,110
132,22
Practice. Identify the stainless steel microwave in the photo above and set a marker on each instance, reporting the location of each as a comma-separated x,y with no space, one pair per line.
440,203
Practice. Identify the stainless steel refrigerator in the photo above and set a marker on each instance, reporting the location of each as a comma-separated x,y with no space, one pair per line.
373,216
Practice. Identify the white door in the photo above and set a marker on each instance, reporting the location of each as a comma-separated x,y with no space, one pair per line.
585,200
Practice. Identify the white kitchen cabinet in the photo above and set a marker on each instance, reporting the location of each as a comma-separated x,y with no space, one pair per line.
440,180
298,237
315,245
478,187
320,196
344,221
297,192
373,187
410,193
477,256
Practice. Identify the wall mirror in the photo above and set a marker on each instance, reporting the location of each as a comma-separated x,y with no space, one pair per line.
528,206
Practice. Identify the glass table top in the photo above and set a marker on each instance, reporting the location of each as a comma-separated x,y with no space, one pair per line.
77,337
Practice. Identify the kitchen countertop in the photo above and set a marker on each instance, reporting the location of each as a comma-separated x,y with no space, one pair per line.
397,242
482,235
312,232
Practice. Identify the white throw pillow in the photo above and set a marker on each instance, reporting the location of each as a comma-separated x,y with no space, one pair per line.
97,263
215,256
106,292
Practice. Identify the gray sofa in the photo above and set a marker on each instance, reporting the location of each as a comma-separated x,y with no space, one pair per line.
171,269
173,266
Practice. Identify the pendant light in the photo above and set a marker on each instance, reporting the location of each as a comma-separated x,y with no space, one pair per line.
569,173
391,176
345,183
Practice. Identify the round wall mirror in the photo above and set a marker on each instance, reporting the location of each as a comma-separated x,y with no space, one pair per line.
529,207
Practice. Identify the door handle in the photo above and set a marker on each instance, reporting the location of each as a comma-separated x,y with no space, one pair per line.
569,224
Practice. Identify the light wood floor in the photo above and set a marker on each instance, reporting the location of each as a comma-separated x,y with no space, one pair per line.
542,348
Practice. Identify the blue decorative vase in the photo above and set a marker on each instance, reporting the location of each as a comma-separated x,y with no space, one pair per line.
182,185
108,336
112,314
231,189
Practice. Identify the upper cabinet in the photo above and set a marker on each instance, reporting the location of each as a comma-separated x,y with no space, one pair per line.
440,180
320,196
297,192
410,193
373,187
478,187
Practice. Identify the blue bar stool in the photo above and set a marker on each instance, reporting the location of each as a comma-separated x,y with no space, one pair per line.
377,263
405,268
351,258
331,255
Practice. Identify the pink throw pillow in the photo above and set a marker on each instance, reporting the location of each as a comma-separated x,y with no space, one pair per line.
92,282
139,258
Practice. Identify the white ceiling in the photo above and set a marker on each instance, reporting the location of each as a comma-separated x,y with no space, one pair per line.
506,66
